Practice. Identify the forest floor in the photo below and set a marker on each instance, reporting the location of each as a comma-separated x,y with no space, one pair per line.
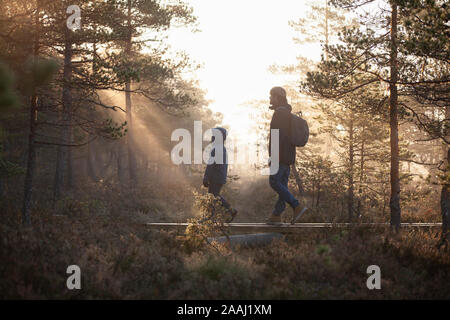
120,258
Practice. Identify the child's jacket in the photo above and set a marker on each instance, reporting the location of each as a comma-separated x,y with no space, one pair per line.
217,173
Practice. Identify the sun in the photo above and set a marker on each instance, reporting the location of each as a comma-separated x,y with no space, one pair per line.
238,42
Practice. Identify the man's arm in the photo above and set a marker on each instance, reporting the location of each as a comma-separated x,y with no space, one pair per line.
277,120
275,123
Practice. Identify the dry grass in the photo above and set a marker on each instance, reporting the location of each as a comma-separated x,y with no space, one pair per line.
121,259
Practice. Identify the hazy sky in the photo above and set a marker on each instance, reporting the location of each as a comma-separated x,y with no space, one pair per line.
239,40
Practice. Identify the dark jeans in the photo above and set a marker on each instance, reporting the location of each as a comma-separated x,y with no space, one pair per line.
279,183
215,188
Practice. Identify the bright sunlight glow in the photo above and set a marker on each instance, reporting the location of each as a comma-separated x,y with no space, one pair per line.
238,41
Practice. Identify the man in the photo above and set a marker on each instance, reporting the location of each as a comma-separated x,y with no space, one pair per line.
281,120
216,173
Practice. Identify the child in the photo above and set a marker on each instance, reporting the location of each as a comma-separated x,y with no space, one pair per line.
216,173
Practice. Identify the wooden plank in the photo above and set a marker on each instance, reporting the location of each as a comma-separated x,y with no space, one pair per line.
287,227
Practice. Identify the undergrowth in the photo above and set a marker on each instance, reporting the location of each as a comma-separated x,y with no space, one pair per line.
120,258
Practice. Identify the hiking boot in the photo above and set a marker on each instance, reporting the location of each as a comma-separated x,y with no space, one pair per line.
233,213
298,212
274,219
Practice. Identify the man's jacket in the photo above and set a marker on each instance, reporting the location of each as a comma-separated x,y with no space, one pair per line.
281,119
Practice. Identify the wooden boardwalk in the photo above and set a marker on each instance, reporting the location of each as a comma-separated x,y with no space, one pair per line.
287,227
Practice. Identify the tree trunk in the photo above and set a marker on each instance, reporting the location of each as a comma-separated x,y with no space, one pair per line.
445,199
90,159
350,173
31,160
132,167
120,163
318,191
394,202
59,173
31,163
70,176
62,157
91,163
326,30
361,174
445,193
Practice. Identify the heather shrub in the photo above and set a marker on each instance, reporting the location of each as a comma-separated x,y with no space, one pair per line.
209,223
120,258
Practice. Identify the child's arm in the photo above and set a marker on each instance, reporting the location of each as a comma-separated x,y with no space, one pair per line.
207,175
207,172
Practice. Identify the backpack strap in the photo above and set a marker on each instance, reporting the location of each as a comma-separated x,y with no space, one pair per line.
285,108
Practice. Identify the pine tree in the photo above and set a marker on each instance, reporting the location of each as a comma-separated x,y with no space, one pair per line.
366,56
130,19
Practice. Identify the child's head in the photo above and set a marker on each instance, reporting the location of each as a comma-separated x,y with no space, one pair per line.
222,130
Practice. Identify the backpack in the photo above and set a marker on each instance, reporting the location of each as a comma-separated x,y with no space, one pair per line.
299,131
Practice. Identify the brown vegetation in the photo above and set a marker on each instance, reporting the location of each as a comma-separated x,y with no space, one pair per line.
120,258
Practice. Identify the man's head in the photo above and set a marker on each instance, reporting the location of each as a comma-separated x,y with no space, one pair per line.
277,97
